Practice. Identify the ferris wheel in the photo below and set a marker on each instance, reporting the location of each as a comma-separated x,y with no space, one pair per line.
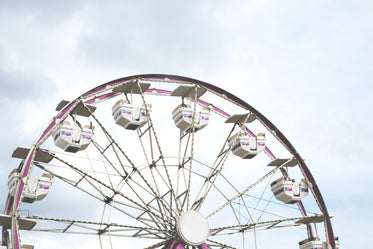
164,161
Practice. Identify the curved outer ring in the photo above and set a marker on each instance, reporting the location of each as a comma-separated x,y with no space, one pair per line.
13,207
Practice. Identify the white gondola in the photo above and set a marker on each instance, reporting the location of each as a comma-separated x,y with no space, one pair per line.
336,243
289,191
72,138
183,118
130,117
311,243
35,188
316,243
245,146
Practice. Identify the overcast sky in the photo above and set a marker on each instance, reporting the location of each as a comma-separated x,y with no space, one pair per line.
306,65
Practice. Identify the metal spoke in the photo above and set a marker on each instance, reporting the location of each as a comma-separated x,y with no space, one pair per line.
101,151
193,130
85,225
183,162
133,165
263,225
248,188
214,171
106,199
214,174
143,194
219,244
159,148
152,163
158,244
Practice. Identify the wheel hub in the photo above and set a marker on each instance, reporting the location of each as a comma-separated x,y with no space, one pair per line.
193,228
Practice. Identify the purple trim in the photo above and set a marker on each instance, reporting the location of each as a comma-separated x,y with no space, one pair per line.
19,193
204,246
21,183
214,108
108,95
95,90
277,133
67,108
102,97
172,244
180,246
303,210
203,102
304,213
6,241
91,101
28,164
16,241
19,196
51,125
251,134
9,207
116,83
270,153
176,243
220,111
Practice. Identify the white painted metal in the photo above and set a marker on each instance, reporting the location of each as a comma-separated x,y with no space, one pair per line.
35,188
289,162
72,138
314,243
188,91
132,87
80,109
24,223
337,244
193,228
40,155
246,146
241,118
289,191
129,116
183,118
151,187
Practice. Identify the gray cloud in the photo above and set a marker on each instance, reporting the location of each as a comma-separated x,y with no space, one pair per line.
21,94
151,36
19,87
44,12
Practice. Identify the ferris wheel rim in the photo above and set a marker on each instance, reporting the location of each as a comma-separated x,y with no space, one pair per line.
91,94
